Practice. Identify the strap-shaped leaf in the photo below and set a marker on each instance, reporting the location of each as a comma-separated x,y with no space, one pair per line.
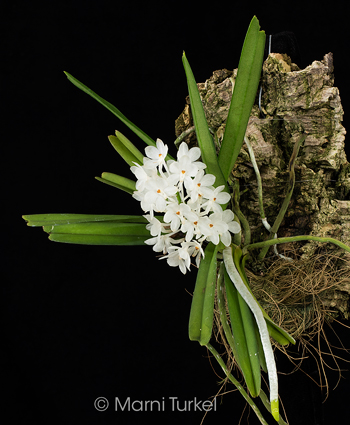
36,220
119,182
99,228
246,85
141,134
133,149
99,233
130,146
246,356
124,240
202,307
204,138
123,151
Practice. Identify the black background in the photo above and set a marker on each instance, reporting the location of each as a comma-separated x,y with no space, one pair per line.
85,322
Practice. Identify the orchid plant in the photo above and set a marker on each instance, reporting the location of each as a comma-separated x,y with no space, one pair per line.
190,213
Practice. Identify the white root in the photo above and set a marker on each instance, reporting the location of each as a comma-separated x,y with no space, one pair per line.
260,320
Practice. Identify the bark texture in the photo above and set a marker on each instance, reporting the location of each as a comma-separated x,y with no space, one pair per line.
293,101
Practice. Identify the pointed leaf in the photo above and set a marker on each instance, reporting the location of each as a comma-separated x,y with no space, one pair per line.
239,335
208,304
202,307
36,220
123,240
204,138
246,85
123,151
141,134
99,228
99,233
130,146
133,149
119,182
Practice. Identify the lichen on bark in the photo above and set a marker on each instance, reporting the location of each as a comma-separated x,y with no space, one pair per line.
293,101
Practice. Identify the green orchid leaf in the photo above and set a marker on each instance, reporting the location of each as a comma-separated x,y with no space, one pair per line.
123,151
121,240
99,233
246,85
130,147
38,220
277,333
204,138
208,304
251,371
141,134
133,149
252,335
99,228
241,268
202,307
119,182
261,354
251,330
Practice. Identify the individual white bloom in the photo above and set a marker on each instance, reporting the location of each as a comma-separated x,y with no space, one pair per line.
215,198
184,168
213,227
193,153
218,226
196,251
162,243
179,257
233,226
190,225
226,238
143,175
139,195
195,186
156,155
157,190
175,214
154,226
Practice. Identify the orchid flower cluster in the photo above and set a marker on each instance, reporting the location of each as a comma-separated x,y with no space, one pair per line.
190,203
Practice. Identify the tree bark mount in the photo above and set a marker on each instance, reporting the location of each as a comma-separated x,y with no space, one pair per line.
293,101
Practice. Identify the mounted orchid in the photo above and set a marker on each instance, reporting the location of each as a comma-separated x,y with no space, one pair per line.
189,215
